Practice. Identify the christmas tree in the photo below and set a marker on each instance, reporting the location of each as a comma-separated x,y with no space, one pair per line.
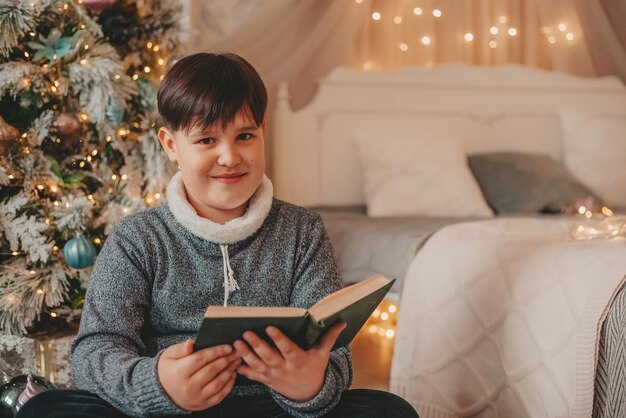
78,145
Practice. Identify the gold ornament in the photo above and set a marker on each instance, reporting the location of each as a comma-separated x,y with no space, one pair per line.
8,135
67,125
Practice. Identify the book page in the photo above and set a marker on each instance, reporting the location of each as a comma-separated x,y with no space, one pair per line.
253,312
346,297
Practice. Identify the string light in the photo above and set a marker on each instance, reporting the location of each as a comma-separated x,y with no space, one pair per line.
158,196
493,44
437,13
53,314
502,19
83,116
11,176
359,1
97,241
124,176
417,11
135,76
469,37
149,45
54,189
397,20
86,47
15,253
113,177
403,47
40,187
146,69
552,39
493,30
562,27
117,76
376,16
156,48
569,36
426,40
40,291
26,54
512,31
367,65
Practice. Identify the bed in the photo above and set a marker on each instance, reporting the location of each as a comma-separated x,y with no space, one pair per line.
332,154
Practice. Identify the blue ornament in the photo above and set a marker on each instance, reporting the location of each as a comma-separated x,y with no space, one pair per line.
115,111
79,252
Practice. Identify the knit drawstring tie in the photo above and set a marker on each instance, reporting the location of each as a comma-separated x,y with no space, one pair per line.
230,285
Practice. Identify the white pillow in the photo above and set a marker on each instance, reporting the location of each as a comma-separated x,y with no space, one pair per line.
594,150
409,176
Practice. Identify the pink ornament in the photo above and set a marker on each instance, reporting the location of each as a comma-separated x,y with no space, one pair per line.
29,391
98,6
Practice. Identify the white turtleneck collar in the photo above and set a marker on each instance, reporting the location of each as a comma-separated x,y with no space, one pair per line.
232,231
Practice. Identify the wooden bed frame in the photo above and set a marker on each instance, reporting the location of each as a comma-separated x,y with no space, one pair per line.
509,108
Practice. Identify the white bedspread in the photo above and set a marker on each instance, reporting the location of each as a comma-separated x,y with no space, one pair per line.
502,318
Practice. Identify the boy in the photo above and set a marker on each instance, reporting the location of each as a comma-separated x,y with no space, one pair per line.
221,239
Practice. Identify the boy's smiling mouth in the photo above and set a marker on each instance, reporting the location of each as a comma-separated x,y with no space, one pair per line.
230,177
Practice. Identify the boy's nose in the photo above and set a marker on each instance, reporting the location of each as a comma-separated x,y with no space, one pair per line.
229,156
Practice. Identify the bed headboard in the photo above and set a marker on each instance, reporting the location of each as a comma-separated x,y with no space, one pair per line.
509,108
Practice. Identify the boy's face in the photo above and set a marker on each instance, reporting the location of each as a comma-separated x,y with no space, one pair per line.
221,167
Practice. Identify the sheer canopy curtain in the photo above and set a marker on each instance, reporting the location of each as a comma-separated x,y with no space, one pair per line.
299,41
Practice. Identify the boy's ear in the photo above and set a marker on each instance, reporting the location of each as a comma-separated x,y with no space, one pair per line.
166,138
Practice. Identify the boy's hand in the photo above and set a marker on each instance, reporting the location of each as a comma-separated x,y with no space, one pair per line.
289,370
197,381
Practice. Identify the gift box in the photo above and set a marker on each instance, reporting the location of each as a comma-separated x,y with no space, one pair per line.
46,356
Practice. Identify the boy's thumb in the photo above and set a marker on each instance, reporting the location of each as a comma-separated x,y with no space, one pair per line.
179,350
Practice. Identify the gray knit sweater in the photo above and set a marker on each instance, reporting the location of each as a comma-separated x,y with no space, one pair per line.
157,273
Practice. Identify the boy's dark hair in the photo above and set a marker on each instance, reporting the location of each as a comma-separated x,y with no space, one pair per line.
202,89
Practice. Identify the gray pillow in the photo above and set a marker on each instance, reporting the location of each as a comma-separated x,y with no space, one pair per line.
519,182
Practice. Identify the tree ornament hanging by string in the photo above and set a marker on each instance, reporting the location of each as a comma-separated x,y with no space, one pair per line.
19,390
98,6
79,252
8,135
67,125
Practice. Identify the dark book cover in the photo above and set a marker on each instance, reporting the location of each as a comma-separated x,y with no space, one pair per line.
302,329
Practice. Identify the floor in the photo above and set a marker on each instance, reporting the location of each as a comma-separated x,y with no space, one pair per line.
371,361
372,350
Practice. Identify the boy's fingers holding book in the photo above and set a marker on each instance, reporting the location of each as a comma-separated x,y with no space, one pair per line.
249,356
177,351
209,371
205,356
263,350
287,348
329,339
215,398
218,381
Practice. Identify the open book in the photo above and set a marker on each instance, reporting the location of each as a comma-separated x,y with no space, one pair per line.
352,304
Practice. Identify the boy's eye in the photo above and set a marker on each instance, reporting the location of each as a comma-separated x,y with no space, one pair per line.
244,136
206,141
